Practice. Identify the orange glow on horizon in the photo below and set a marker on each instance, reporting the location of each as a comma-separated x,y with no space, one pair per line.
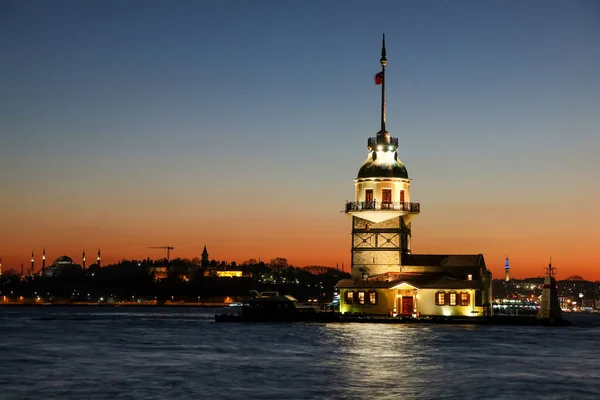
303,242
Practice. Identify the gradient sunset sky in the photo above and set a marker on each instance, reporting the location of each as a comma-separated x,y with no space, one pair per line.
241,125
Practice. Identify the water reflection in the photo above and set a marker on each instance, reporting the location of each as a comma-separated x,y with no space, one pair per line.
384,361
183,354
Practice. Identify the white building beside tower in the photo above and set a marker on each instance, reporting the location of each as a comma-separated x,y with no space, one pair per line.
386,277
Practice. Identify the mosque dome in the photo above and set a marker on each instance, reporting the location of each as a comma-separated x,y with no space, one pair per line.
383,164
63,260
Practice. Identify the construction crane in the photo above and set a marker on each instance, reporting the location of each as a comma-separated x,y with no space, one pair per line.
168,248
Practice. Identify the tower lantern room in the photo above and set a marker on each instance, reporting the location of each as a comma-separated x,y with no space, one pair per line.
382,209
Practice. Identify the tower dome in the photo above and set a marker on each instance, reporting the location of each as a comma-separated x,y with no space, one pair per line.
63,260
383,163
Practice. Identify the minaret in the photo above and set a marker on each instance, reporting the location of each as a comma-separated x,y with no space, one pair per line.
382,210
0,266
32,264
204,261
83,260
99,259
22,272
44,261
506,271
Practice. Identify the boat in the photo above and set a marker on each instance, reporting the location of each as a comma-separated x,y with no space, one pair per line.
274,308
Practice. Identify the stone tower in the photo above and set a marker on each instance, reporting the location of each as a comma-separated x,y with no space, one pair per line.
382,210
204,261
550,307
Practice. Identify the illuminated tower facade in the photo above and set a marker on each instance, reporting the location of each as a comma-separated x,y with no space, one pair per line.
83,260
43,261
99,259
0,266
382,211
32,264
506,271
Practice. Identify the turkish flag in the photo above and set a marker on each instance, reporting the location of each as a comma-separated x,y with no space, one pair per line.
379,78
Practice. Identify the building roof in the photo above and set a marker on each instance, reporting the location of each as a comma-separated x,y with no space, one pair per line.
362,284
444,260
64,260
447,282
382,164
419,281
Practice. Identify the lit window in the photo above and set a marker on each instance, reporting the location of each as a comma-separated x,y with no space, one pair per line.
470,277
464,299
349,297
386,198
372,297
452,298
441,298
361,297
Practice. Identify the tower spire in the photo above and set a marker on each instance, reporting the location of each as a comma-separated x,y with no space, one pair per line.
551,271
383,60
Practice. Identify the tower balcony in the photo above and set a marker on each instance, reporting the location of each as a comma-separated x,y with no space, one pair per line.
378,211
380,143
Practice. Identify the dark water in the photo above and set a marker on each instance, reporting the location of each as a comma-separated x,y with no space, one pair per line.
177,353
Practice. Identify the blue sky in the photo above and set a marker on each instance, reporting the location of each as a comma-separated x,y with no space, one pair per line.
140,111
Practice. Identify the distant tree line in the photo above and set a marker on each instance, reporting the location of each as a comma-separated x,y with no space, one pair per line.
185,280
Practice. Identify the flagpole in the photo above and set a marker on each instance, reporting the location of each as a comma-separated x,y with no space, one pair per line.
383,62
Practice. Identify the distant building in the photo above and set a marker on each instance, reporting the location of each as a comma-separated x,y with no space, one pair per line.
226,272
204,261
159,272
229,274
59,265
386,277
507,271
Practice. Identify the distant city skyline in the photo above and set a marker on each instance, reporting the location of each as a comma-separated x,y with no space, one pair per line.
116,259
241,126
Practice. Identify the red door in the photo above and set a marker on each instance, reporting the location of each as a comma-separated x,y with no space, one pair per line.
408,305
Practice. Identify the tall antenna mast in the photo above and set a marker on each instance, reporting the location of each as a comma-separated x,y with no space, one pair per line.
383,62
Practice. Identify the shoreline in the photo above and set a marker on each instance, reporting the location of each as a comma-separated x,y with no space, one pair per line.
124,304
